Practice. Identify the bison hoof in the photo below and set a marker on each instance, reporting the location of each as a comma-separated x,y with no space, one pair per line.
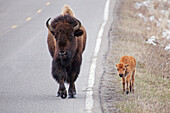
127,92
63,95
72,95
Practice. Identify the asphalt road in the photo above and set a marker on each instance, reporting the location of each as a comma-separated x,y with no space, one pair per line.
26,83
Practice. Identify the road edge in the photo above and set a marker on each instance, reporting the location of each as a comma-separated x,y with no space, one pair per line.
89,101
104,47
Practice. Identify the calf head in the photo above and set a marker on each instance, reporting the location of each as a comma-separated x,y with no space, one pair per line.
121,69
65,30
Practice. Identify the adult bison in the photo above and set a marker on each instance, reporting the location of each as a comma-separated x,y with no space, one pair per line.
66,43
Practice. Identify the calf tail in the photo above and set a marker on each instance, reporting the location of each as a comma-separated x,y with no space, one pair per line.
134,61
67,11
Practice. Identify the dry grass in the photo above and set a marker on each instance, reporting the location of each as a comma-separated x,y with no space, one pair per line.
156,59
152,85
156,24
152,92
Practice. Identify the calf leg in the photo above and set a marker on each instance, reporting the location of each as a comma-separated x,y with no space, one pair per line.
123,83
127,83
127,89
133,80
130,85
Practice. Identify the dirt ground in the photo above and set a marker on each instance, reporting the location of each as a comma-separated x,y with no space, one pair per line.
152,85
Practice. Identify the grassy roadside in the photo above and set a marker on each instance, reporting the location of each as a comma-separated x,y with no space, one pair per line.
152,81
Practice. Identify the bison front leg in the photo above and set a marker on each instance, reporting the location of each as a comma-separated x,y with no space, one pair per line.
62,91
60,76
72,88
72,76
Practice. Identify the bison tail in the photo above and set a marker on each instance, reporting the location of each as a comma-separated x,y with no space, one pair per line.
67,11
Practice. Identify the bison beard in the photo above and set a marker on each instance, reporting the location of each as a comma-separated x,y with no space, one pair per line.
64,61
66,43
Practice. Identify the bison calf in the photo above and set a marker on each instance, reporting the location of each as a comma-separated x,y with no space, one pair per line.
126,70
66,43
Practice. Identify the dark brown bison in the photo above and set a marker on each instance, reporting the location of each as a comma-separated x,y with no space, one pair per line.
66,43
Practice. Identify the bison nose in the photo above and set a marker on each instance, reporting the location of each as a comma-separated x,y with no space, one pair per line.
121,75
62,53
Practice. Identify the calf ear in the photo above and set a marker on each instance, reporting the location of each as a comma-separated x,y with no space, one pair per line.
126,65
78,32
117,65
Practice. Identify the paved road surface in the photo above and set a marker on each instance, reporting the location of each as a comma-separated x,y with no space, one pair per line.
26,83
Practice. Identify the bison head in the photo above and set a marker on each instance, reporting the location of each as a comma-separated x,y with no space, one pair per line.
65,30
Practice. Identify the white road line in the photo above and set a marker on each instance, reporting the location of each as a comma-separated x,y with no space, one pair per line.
14,26
28,19
89,94
48,3
39,11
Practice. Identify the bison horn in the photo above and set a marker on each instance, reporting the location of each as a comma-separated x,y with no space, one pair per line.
49,26
77,26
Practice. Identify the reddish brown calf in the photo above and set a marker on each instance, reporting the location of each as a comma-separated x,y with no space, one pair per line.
126,70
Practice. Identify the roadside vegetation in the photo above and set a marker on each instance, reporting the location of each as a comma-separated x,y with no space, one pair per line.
141,30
